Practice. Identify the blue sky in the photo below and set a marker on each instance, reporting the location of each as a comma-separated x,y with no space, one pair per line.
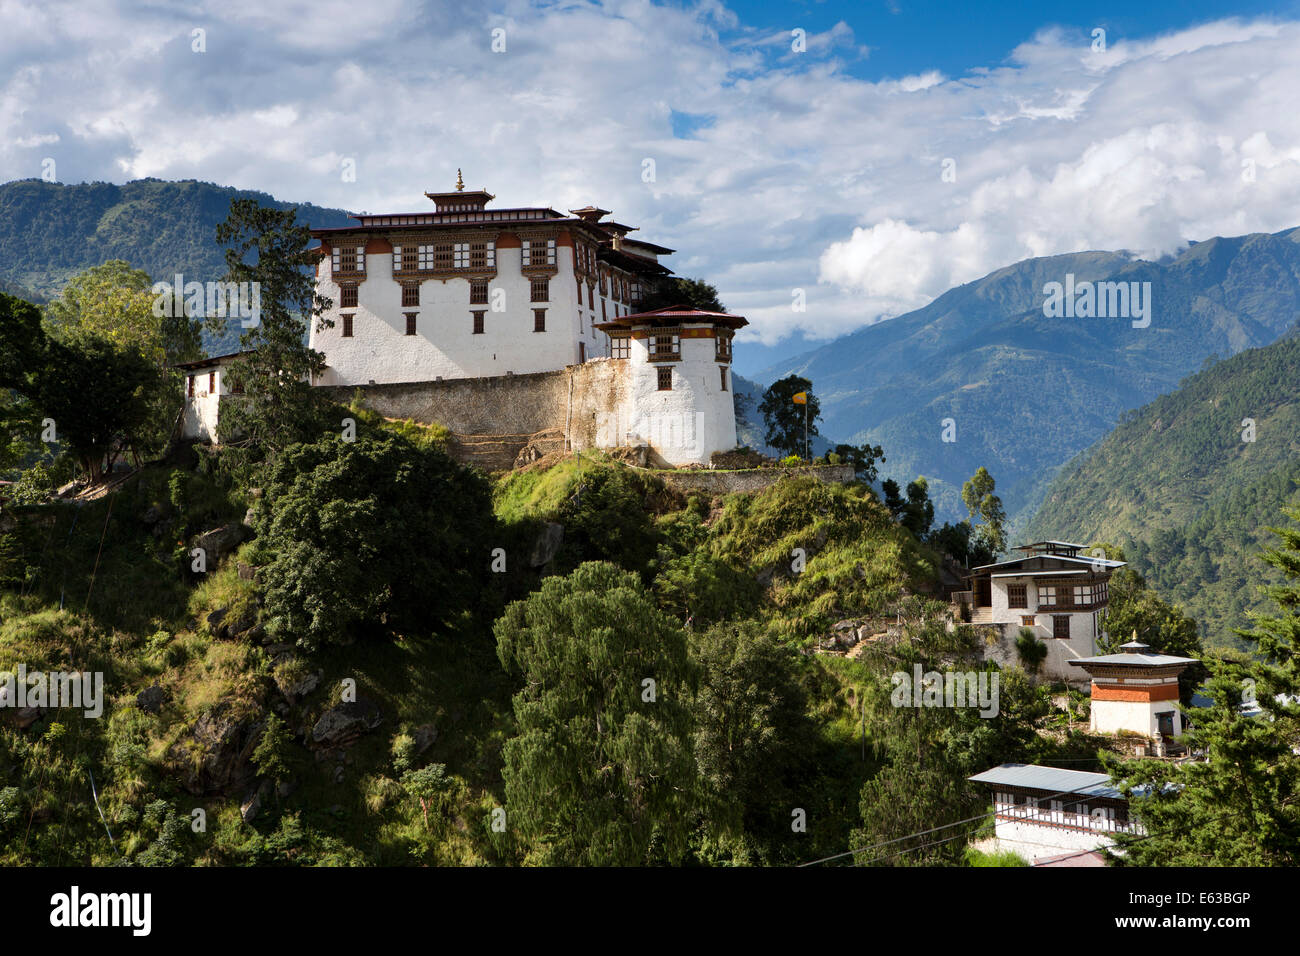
907,149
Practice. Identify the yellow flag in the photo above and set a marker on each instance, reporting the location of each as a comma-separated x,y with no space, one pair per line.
800,398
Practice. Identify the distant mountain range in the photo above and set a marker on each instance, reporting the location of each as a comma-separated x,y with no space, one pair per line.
49,232
1189,484
1026,392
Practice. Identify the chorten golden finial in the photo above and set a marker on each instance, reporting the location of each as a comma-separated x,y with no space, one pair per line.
460,182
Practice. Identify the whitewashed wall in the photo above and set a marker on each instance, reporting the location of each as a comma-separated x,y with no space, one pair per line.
445,344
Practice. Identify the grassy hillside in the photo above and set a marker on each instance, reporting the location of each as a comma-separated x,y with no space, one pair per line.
1028,392
49,231
1185,495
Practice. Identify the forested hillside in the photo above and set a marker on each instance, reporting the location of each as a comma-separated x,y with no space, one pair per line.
49,232
1189,483
1026,392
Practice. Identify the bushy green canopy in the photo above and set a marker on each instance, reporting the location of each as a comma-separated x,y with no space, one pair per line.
369,537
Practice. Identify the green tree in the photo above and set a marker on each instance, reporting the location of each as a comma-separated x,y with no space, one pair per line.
893,498
676,290
783,419
116,302
1031,650
271,755
953,540
600,770
751,730
863,458
373,536
977,494
98,394
20,429
918,513
606,520
269,247
429,785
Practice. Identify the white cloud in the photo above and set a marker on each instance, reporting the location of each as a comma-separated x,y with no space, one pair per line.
805,176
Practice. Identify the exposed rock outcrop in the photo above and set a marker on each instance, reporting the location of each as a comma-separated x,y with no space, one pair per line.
344,723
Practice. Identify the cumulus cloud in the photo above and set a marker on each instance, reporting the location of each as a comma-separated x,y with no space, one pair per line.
805,177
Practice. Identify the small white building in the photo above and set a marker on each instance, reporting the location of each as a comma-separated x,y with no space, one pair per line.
206,385
1050,816
1053,590
1135,691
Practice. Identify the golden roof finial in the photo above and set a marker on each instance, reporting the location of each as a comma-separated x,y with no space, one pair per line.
460,182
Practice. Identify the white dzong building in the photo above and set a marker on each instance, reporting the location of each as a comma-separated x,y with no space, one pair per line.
519,323
464,291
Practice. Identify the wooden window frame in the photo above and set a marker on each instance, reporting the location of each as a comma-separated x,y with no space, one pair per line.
412,318
478,291
539,289
1059,621
1018,596
348,260
410,295
665,351
529,248
478,322
620,346
723,370
348,330
664,378
347,297
539,320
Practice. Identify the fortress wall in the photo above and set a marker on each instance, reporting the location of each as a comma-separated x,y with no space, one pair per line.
506,404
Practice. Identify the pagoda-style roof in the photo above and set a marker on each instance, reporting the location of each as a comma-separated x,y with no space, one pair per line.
1134,654
674,315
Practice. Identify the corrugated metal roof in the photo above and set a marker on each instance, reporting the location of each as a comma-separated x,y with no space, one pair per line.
1050,780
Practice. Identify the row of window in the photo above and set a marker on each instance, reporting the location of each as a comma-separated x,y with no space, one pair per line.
668,348
539,291
478,317
1056,595
445,257
442,257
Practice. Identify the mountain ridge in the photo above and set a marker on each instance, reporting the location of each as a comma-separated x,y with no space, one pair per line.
981,353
